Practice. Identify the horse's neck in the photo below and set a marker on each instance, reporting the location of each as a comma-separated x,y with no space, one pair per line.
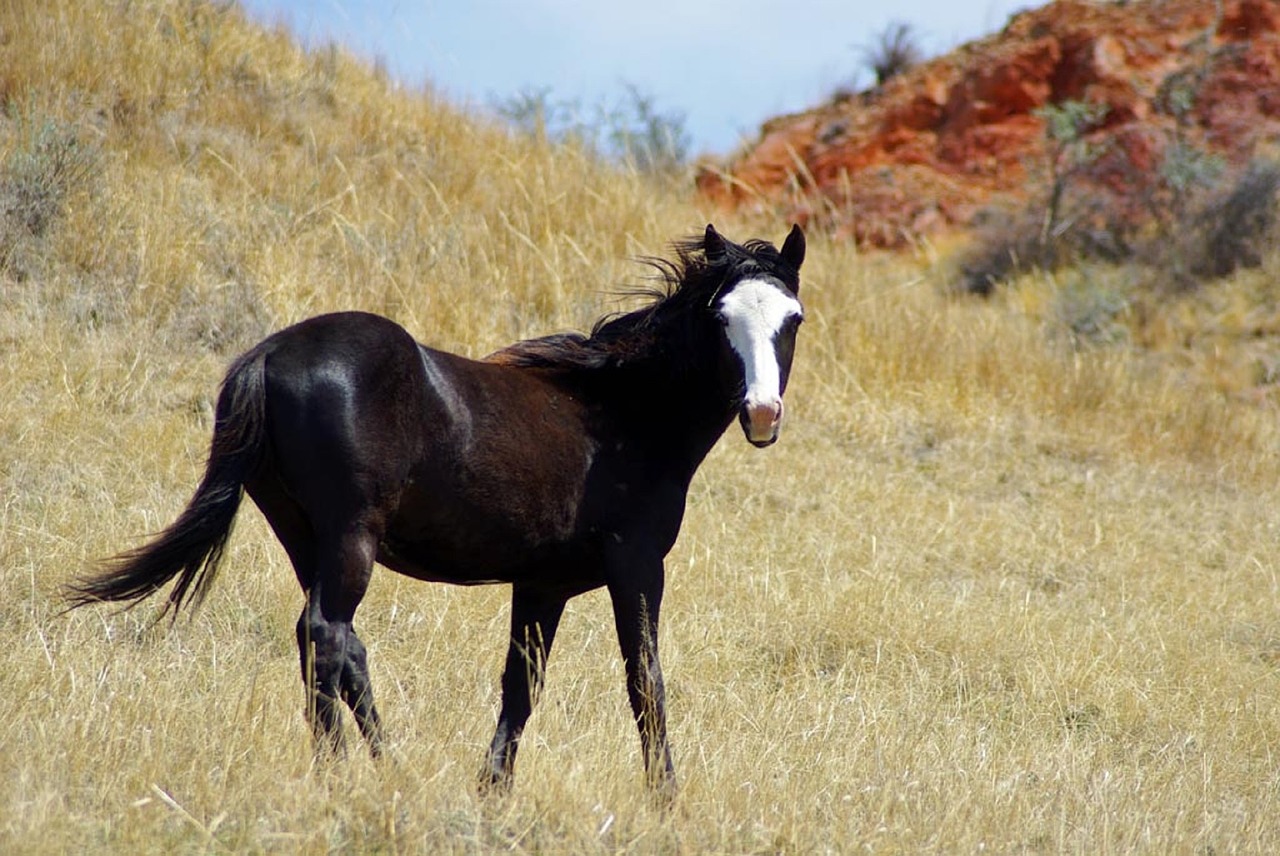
679,398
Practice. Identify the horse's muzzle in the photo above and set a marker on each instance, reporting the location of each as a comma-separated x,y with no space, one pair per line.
761,421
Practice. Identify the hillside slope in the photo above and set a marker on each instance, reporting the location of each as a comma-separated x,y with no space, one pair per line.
189,161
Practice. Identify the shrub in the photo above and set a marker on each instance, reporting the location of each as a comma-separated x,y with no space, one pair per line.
47,164
1088,311
39,174
651,141
631,130
891,52
1005,243
1055,227
1234,229
1010,242
1070,152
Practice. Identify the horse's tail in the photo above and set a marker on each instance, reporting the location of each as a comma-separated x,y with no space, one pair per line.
193,545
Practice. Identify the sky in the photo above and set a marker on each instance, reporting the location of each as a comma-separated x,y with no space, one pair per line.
726,67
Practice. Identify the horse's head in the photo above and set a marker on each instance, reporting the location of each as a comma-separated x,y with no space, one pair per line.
758,305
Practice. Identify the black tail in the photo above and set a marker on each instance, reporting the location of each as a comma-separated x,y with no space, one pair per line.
193,546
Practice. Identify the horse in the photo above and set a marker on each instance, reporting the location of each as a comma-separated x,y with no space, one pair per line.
556,465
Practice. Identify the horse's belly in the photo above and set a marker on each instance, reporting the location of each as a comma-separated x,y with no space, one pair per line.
434,572
463,562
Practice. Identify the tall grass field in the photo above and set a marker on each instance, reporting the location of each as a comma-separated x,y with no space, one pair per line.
1002,586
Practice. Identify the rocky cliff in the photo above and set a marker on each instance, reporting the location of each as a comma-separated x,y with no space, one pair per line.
934,146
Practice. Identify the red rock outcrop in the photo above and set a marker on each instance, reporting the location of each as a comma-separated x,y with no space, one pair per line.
932,147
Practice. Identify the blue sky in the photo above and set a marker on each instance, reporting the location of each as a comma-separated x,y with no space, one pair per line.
727,66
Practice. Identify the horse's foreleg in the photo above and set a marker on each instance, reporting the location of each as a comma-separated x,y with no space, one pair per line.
534,619
637,600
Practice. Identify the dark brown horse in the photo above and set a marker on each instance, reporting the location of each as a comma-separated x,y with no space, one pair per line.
557,465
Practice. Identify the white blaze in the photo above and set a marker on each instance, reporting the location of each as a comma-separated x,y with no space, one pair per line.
754,311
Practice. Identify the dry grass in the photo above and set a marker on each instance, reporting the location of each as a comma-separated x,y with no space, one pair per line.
995,589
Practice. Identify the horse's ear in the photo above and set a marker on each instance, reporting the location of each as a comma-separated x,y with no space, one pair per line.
793,247
712,244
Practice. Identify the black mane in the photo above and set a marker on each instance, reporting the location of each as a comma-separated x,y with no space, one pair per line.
685,286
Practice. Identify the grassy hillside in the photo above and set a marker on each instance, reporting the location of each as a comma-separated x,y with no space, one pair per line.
1004,584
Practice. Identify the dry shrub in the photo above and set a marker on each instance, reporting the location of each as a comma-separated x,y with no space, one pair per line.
1236,229
1011,242
892,51
46,165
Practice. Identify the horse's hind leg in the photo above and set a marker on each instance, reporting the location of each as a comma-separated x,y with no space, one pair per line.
321,674
334,660
357,692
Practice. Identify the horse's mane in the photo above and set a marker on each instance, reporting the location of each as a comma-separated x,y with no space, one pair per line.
690,282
